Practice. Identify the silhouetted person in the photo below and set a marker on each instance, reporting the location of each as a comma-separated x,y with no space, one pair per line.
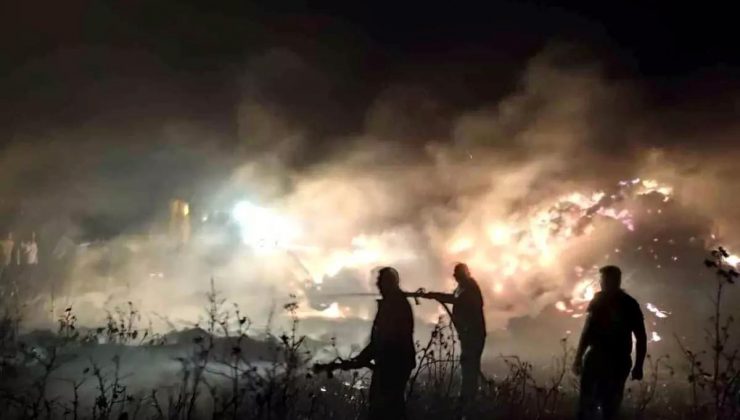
613,316
391,348
467,316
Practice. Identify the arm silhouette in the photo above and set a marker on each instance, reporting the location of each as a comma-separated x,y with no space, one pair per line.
441,297
640,347
583,344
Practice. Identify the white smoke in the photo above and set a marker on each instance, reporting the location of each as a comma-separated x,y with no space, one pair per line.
371,199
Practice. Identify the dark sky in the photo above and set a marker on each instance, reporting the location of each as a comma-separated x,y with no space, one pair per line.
665,38
364,44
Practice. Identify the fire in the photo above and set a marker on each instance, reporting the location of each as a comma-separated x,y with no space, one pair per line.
733,260
532,242
584,291
364,253
657,312
589,293
499,234
648,186
461,245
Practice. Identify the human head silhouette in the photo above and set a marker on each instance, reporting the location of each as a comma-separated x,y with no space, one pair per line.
388,281
611,278
461,272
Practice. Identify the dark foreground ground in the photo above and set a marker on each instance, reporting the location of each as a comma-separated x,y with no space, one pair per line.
119,371
222,369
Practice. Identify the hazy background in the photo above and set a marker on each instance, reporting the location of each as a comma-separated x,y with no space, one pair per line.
386,135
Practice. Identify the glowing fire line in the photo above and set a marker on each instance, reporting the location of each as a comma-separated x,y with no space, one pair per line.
502,250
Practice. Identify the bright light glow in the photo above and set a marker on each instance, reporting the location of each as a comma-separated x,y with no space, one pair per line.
263,229
499,234
655,337
332,312
589,293
461,245
503,249
583,291
658,313
733,260
364,253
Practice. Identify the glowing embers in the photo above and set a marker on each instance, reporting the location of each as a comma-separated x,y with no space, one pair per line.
648,186
660,314
657,312
583,292
535,241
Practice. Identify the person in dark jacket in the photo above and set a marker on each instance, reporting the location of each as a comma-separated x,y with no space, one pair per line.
470,323
391,352
603,357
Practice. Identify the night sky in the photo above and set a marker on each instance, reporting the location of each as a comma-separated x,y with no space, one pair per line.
53,53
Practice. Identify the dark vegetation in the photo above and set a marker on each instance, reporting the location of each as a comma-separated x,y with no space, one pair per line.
225,370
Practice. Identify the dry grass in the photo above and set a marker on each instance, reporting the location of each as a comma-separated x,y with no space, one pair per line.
219,377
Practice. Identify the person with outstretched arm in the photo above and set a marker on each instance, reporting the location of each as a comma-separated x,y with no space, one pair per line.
470,324
603,358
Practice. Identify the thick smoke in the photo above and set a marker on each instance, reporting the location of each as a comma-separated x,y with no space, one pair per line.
418,186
